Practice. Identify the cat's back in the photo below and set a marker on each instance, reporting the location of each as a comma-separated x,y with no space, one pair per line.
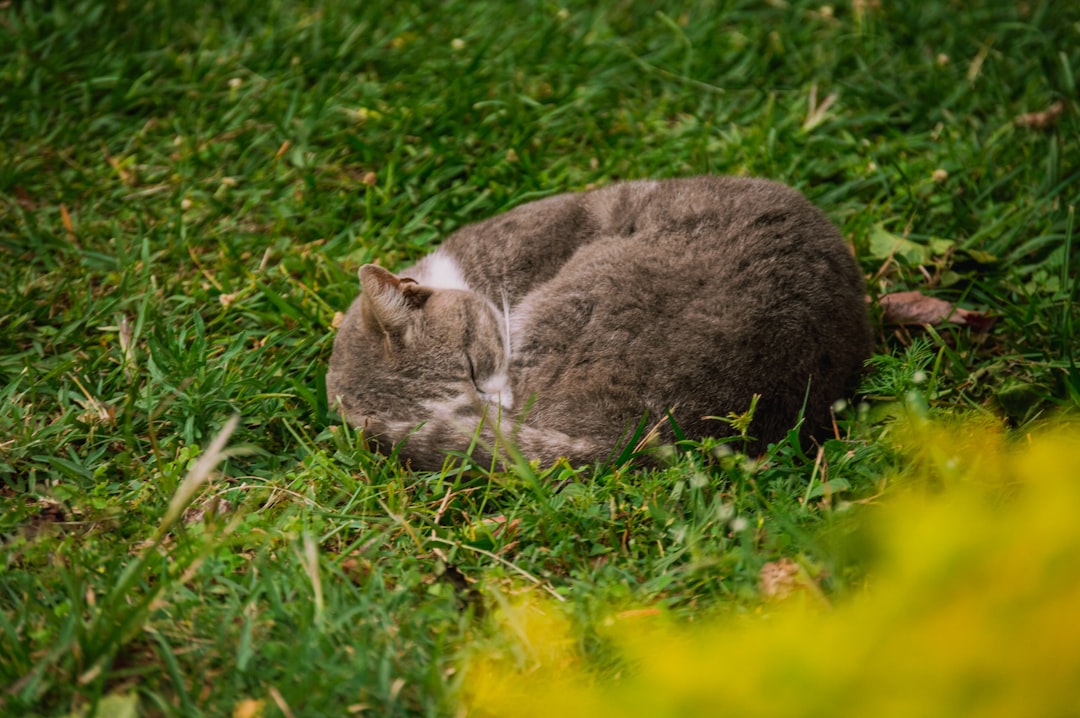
514,252
703,242
694,295
731,214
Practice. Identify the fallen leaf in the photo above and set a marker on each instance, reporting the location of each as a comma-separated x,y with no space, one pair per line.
356,568
194,514
980,256
917,308
496,525
69,226
23,198
778,579
120,167
114,705
886,245
249,708
1018,399
1041,120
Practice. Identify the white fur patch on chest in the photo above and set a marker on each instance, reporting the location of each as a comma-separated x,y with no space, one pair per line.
439,271
495,390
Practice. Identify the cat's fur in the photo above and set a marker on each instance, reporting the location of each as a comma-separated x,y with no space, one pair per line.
565,321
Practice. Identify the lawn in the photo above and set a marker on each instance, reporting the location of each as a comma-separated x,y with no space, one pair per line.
187,190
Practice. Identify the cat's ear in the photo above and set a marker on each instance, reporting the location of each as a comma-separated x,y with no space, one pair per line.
389,301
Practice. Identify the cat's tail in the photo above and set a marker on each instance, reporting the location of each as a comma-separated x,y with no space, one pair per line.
489,440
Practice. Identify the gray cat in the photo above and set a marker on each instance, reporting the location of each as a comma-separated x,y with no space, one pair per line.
557,326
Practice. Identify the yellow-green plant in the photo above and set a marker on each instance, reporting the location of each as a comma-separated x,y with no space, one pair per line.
970,608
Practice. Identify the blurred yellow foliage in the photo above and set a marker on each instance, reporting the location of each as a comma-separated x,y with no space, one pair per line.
972,607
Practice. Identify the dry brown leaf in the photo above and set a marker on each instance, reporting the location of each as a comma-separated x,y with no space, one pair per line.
275,694
195,514
497,525
23,198
778,579
356,568
249,708
126,175
917,308
1041,120
65,217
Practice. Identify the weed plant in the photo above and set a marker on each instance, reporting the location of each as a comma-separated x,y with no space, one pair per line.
968,611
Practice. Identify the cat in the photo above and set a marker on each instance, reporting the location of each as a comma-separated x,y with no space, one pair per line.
557,327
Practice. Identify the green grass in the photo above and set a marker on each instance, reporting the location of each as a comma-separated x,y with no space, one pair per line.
187,189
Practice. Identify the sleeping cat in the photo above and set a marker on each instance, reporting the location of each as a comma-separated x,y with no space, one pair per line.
557,326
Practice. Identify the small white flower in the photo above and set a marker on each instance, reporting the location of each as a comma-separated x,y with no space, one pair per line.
457,43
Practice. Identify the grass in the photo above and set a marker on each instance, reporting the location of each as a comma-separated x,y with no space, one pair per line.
186,191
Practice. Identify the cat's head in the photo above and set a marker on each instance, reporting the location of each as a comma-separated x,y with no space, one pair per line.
406,353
